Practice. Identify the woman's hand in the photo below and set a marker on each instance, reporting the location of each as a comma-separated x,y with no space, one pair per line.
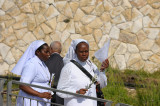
82,91
46,95
105,64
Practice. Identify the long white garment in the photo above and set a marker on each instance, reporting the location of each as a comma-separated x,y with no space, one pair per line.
34,72
73,79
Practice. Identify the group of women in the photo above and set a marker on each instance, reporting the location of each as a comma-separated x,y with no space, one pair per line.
32,69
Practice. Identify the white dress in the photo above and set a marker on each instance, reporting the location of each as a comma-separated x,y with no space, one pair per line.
73,79
34,72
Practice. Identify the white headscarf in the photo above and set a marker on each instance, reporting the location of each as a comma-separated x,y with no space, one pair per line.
71,52
28,54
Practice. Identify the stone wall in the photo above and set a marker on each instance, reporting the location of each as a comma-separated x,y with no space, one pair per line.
132,25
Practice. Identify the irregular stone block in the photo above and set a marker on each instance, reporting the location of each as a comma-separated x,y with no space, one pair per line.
96,23
20,17
38,32
78,15
155,58
114,33
74,6
87,10
4,49
142,46
118,19
9,58
10,40
152,32
4,67
121,50
39,19
87,19
146,54
46,29
120,60
51,12
56,36
97,35
116,11
132,48
138,3
137,25
16,53
136,14
105,17
7,4
133,59
29,37
27,8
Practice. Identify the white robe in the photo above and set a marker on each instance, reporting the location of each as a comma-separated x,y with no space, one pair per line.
73,79
34,72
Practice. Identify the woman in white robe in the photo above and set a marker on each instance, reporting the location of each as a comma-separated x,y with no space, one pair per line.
32,69
72,79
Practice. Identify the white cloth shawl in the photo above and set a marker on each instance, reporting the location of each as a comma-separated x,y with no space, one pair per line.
71,52
28,54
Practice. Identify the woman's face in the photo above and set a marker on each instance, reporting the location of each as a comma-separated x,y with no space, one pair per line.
82,51
44,53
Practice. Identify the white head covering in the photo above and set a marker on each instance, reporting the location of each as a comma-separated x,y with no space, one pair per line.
28,54
71,52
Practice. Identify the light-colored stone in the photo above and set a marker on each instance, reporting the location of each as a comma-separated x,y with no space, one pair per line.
149,66
65,46
7,32
68,11
27,8
116,2
36,7
138,3
14,11
19,33
105,17
126,56
60,5
147,22
133,59
146,9
127,13
47,39
114,33
141,36
2,12
1,60
65,36
29,37
156,5
107,6
96,23
16,53
89,38
118,19
51,12
103,40
82,29
116,11
146,44
52,23
146,54
114,44
20,17
38,32
99,9
126,4
21,2
132,48
9,22
137,25
121,50
97,35
9,58
127,37
84,3
75,36
61,18
5,18
74,6
43,8
88,9
155,48
138,65
125,26
39,19
155,58
93,46
11,67
4,49
106,28
4,67
136,14
56,36
10,40
1,3
7,4
112,62
120,60
70,27
152,32
20,24
78,15
87,19
46,29
61,26
31,22
21,45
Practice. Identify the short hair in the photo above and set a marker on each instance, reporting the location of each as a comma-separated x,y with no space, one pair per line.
55,47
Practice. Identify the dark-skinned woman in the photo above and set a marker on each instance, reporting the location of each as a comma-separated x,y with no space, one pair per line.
32,69
72,79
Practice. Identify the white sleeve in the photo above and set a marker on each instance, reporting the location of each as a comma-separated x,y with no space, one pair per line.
28,73
102,79
64,82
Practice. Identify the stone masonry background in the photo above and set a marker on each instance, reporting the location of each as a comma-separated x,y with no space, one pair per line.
132,25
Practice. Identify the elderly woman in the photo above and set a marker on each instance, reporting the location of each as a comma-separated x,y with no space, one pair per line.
72,79
32,69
